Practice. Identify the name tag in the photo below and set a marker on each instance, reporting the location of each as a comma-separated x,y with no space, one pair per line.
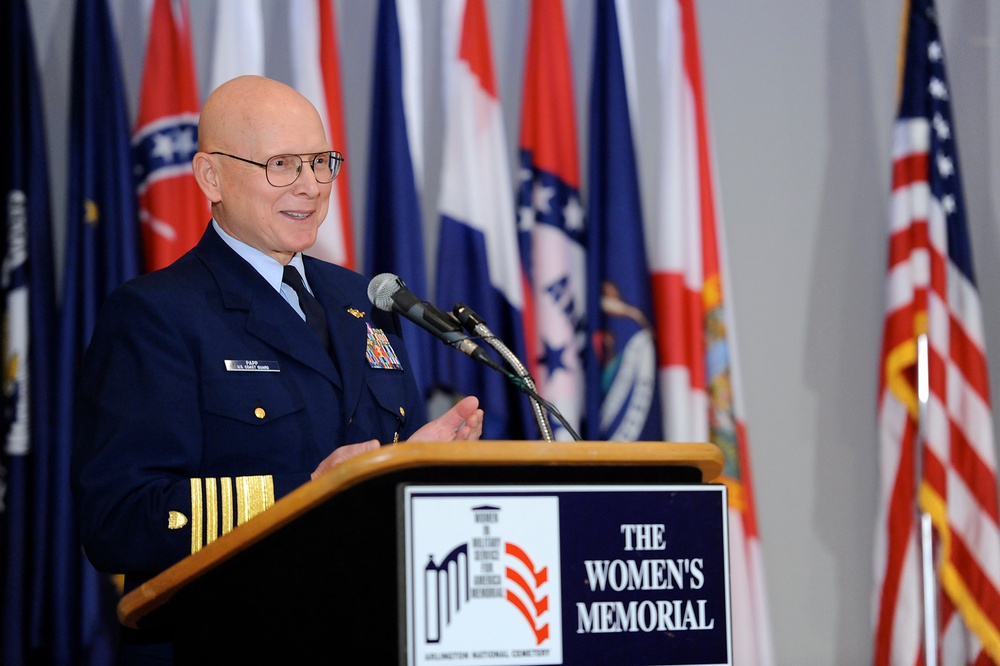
252,366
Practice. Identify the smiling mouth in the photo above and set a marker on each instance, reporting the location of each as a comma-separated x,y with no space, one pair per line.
297,216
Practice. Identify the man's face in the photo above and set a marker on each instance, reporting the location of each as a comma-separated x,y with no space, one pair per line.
278,221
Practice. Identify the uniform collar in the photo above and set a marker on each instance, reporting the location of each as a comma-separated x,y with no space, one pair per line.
267,266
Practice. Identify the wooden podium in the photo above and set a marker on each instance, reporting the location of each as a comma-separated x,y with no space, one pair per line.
317,578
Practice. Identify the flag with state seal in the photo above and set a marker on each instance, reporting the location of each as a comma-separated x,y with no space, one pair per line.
700,385
622,396
173,211
28,307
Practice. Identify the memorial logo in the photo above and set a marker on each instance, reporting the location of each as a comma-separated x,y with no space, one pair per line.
483,580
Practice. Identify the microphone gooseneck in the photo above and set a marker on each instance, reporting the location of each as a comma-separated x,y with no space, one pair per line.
476,325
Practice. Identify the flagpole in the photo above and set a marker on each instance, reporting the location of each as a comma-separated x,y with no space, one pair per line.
928,579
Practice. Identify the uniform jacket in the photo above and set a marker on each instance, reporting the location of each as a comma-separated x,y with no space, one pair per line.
204,397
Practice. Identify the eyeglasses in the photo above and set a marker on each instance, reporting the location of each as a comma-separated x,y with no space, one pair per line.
283,170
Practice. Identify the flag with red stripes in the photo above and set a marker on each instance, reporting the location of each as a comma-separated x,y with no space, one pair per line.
934,415
316,74
172,209
699,373
551,218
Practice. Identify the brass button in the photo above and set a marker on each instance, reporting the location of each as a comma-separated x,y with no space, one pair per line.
259,412
402,412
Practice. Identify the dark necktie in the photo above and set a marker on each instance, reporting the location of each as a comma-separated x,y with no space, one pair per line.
315,317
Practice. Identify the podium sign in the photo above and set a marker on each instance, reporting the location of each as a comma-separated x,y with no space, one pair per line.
544,575
484,553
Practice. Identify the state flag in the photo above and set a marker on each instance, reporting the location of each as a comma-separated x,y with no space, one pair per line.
622,395
551,231
699,367
28,305
173,210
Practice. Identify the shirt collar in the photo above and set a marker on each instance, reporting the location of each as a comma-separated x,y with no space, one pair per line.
267,266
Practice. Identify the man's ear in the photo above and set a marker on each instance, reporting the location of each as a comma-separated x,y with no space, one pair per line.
207,175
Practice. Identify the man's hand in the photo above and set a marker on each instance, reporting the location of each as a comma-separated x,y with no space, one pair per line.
463,421
342,453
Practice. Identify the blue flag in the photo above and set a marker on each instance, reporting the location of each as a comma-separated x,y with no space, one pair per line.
394,241
102,252
622,399
28,323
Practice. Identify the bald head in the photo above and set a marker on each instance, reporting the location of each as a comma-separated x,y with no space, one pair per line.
241,114
244,123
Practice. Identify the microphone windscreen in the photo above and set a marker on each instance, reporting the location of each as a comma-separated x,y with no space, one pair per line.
382,288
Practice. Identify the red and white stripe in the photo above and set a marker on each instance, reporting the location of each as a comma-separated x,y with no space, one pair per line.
676,260
927,294
476,183
898,609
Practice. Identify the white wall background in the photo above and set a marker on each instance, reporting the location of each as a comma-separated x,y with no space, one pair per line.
801,101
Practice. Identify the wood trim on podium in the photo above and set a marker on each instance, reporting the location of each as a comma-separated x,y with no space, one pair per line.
152,594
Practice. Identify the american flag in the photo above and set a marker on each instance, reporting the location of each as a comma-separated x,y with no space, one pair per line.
947,430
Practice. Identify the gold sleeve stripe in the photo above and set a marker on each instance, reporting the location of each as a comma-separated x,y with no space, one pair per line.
254,494
197,511
227,504
214,511
211,511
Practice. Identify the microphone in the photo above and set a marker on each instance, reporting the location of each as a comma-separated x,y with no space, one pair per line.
471,321
387,292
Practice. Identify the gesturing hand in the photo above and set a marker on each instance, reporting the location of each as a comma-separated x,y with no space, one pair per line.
463,421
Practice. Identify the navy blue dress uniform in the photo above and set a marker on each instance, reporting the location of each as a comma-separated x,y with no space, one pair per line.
205,397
